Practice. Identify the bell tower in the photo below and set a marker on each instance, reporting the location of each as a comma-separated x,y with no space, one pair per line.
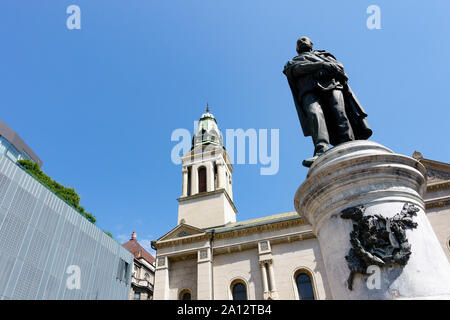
207,195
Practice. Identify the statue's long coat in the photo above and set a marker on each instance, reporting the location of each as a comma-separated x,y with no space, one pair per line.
310,82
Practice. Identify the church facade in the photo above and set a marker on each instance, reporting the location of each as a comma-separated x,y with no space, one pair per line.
210,255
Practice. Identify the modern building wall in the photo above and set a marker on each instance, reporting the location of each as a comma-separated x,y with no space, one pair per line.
41,236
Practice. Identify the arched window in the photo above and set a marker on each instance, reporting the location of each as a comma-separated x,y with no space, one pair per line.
185,295
304,286
239,291
201,179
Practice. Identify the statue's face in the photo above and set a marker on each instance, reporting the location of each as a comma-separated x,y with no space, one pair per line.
304,44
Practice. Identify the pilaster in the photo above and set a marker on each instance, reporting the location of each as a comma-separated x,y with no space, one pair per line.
204,274
161,287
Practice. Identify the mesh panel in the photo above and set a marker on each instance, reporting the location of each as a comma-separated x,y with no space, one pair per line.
6,265
48,220
12,233
58,268
28,283
23,204
51,290
39,249
4,184
66,235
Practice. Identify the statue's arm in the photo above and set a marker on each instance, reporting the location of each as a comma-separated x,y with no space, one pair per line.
304,68
339,65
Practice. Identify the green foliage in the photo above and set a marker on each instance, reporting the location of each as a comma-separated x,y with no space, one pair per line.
109,234
68,194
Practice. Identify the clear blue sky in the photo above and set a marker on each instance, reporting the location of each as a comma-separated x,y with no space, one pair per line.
98,105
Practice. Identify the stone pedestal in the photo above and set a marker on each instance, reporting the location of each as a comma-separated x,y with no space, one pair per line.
367,173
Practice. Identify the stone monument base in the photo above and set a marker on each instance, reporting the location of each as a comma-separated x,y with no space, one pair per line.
365,173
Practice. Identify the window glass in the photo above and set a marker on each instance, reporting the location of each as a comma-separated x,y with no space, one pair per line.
186,295
13,154
25,155
239,291
122,270
3,145
304,287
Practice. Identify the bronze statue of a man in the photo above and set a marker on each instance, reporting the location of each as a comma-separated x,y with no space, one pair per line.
326,106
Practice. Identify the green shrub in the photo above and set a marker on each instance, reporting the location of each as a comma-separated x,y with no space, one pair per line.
109,234
68,194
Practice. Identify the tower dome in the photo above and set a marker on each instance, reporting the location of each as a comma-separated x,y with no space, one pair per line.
207,131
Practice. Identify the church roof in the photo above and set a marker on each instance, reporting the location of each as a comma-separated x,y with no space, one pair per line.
256,222
137,250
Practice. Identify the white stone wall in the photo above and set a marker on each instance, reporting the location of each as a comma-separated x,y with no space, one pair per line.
238,265
440,221
291,257
208,211
182,275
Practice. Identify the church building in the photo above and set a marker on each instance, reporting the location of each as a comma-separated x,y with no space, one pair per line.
211,255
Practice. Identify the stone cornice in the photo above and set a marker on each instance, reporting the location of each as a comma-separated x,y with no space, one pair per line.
209,193
437,203
182,240
438,186
270,226
433,164
193,155
253,244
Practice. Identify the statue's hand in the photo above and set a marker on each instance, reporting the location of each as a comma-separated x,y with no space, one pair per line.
335,70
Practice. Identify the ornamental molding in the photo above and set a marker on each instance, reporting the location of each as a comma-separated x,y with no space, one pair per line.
437,203
438,186
182,241
245,231
265,261
254,243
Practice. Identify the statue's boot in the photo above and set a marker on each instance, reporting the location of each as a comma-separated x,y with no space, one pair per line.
308,162
319,149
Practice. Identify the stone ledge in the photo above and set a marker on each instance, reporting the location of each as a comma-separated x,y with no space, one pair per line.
209,193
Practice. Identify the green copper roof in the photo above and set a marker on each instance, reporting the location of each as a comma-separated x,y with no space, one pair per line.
256,222
207,131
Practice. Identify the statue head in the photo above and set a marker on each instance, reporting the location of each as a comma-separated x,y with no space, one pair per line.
304,44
